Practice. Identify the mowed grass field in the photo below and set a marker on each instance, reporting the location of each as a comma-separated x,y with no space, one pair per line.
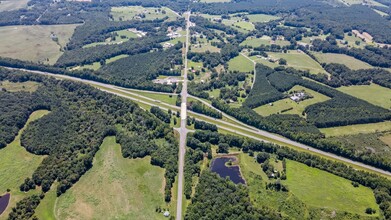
386,139
357,129
287,103
256,42
33,43
97,65
349,61
9,5
16,164
299,60
241,64
130,12
322,189
372,93
115,188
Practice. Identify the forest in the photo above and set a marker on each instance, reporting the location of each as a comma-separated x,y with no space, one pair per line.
218,198
80,109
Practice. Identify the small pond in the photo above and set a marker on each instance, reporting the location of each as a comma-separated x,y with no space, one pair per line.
4,200
233,172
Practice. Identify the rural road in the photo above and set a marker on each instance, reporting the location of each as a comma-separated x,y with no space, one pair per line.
255,69
183,129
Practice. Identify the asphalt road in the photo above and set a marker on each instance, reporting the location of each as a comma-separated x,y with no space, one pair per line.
183,130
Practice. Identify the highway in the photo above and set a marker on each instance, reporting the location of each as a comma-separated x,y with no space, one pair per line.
183,130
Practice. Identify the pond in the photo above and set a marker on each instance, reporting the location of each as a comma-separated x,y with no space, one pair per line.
4,200
233,172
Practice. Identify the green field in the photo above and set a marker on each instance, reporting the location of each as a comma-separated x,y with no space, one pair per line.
386,139
9,5
287,103
372,93
357,129
241,64
123,36
16,164
161,97
97,65
33,43
299,60
262,18
132,12
115,188
28,86
349,61
351,41
322,189
256,42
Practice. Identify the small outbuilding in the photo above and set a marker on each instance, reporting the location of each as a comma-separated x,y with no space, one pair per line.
166,214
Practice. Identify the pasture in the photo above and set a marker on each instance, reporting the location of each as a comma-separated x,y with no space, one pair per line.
288,106
127,13
325,190
97,65
386,139
348,61
115,188
256,42
261,18
299,60
241,64
9,5
16,164
357,129
123,36
34,43
372,93
201,48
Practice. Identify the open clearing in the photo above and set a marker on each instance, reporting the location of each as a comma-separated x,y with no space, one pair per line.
287,103
28,86
9,5
34,43
141,13
262,18
123,36
372,93
97,65
241,64
16,164
299,60
322,189
357,129
115,188
349,61
386,139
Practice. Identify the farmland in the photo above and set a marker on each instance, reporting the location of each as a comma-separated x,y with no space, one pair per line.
16,164
241,64
256,42
321,189
115,188
357,129
372,93
34,43
141,13
10,5
28,86
349,61
288,106
299,61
